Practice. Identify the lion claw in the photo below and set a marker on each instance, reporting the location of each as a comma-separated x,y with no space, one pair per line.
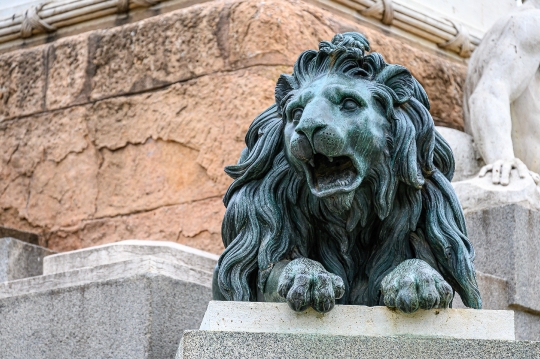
306,283
414,285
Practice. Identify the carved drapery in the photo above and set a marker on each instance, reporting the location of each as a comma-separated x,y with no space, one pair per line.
460,43
32,21
123,5
381,9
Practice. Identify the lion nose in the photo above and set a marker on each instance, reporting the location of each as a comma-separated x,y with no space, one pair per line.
309,126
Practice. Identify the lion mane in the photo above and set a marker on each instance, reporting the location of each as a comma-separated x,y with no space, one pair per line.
405,208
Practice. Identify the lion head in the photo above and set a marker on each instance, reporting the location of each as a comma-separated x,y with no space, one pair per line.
345,169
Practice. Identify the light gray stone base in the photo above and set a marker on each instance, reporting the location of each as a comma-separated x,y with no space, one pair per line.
19,259
135,308
359,320
241,345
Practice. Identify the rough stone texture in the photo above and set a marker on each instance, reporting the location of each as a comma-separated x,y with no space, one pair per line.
123,133
22,82
506,244
137,308
527,325
126,250
507,259
112,162
231,345
67,72
197,224
356,320
19,259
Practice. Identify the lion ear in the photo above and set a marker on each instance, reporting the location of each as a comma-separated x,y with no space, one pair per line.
400,80
285,84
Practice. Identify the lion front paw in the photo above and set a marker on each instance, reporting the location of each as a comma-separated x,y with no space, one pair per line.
414,285
305,283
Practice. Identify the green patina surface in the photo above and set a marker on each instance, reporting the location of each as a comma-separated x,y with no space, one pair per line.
343,193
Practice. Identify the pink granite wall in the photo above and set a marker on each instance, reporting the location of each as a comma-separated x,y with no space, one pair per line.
123,133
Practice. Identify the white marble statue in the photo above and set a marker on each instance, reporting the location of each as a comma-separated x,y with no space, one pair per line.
502,96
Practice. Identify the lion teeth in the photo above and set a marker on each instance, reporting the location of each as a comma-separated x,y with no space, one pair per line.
312,162
330,159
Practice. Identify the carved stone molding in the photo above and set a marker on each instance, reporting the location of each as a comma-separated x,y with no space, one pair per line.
50,16
447,34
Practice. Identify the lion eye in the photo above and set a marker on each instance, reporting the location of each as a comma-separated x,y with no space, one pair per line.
349,105
297,114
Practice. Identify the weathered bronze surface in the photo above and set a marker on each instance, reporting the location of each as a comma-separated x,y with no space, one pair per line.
343,193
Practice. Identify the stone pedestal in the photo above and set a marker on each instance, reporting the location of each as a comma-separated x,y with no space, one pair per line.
359,320
244,345
272,330
20,259
135,303
507,245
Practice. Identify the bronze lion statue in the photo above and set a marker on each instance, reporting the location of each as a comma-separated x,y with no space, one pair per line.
343,193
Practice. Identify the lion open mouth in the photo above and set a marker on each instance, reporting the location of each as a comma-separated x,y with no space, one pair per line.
332,174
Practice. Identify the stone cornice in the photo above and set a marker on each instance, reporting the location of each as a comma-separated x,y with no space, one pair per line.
445,33
49,17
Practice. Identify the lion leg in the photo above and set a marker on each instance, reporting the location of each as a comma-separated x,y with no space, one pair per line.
414,285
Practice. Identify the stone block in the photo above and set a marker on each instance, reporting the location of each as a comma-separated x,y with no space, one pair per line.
196,224
19,259
23,77
135,308
507,262
506,243
155,52
242,345
236,99
527,325
357,320
494,291
127,250
68,80
217,36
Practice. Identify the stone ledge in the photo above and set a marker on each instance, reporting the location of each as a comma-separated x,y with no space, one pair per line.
130,249
356,320
147,266
234,345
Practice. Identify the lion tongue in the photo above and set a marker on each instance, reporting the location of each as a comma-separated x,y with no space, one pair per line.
339,172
